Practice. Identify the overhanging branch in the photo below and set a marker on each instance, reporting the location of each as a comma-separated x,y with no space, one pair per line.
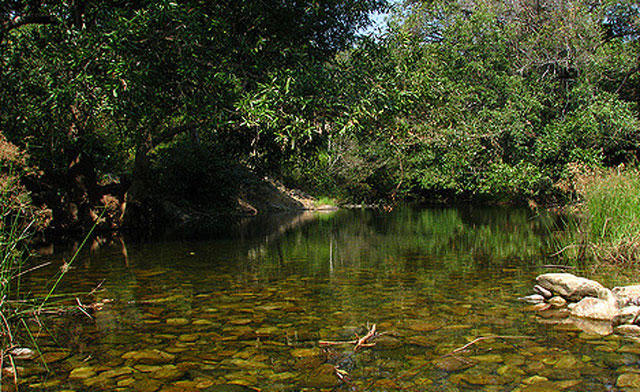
174,131
17,22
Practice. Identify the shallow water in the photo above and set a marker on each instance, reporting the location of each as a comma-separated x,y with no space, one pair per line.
251,307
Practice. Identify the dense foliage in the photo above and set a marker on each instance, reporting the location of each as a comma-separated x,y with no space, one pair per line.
481,100
488,100
147,96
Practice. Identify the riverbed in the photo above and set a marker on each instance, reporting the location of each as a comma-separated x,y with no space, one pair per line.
248,309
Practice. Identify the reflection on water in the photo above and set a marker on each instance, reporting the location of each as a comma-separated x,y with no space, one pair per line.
248,309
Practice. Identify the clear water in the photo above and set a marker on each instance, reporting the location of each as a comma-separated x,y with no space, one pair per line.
248,310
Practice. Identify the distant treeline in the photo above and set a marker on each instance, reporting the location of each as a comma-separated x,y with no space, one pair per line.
116,103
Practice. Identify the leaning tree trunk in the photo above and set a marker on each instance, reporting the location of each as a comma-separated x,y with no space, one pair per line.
140,209
83,191
132,209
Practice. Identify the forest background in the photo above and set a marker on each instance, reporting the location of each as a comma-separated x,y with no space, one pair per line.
110,110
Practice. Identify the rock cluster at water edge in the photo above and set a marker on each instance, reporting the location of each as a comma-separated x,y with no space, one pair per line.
566,298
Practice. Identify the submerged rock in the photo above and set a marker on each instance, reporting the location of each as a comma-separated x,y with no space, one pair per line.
117,372
190,337
542,291
477,379
489,358
508,370
628,380
567,362
54,356
387,342
554,313
168,373
149,356
177,321
422,326
304,352
228,388
266,331
569,286
82,372
591,326
549,386
420,340
629,329
453,364
146,385
99,382
322,377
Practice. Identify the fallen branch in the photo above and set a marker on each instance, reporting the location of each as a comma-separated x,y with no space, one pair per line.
81,307
362,342
343,375
336,343
563,267
30,270
476,340
359,342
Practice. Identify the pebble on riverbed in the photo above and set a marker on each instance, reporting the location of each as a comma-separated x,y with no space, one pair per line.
587,300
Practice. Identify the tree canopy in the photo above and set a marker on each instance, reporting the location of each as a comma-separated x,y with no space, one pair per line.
481,100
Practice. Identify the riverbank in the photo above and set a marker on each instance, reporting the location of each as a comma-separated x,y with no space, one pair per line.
254,196
606,201
608,229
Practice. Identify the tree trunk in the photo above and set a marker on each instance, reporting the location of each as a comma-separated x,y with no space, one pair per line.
139,208
83,194
139,189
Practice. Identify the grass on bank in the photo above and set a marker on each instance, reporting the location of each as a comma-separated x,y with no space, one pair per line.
325,201
609,231
17,227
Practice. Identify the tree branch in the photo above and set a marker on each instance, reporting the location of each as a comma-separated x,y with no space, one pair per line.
629,73
174,131
17,22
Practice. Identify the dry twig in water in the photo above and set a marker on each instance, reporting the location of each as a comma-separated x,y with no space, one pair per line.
362,342
359,342
452,353
476,340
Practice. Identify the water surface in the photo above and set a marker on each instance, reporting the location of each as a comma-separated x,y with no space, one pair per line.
250,308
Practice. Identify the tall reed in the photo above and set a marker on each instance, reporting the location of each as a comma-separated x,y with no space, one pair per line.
14,231
19,220
612,202
609,228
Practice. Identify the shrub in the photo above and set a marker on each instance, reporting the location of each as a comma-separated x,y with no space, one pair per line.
15,201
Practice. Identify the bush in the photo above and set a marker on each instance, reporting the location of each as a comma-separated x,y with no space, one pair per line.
15,201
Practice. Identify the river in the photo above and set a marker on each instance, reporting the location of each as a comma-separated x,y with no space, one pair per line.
248,309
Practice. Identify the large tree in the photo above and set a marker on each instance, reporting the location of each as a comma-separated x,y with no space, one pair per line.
496,99
93,87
